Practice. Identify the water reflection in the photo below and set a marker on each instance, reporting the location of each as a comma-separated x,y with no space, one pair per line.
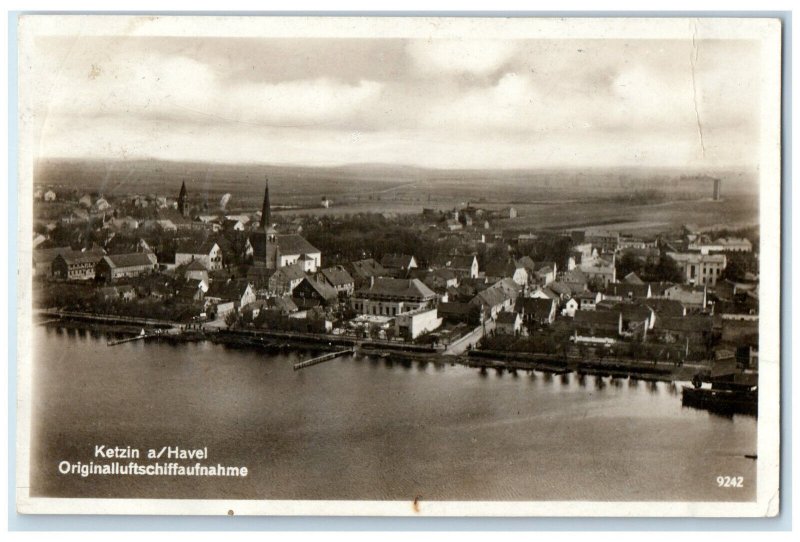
599,383
350,430
672,388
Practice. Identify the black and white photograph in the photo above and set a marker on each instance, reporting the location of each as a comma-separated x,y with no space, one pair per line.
405,266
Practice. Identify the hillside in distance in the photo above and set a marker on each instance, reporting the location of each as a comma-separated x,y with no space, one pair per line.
298,185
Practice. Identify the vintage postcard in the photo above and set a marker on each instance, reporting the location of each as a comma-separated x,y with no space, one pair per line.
399,266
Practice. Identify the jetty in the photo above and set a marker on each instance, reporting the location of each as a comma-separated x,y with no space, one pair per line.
321,359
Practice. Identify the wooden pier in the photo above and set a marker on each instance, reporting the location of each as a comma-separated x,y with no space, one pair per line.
323,358
130,339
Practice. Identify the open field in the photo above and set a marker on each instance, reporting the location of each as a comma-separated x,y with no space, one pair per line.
626,199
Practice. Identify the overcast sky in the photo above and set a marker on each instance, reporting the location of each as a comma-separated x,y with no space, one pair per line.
466,104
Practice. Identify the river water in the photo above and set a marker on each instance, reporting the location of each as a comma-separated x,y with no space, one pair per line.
371,429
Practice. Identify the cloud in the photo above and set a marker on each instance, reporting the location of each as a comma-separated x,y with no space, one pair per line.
443,103
478,57
176,87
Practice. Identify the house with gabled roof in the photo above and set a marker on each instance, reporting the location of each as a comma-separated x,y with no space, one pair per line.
398,265
575,279
496,298
364,272
600,269
687,330
632,278
77,265
597,327
692,297
509,269
117,266
464,265
281,281
238,291
338,278
311,293
438,280
536,311
207,252
587,301
508,323
43,259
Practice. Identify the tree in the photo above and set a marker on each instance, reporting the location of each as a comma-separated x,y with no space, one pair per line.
231,319
666,270
629,263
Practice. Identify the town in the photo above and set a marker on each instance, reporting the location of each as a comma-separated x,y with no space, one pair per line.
445,281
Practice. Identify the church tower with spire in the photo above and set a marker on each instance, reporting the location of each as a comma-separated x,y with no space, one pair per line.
272,251
183,204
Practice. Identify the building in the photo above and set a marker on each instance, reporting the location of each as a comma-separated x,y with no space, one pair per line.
238,291
116,266
311,292
364,272
274,250
76,265
183,201
635,242
116,293
497,298
735,244
699,268
692,332
511,269
508,323
692,297
574,279
206,252
587,301
628,290
438,280
196,270
464,266
398,265
281,281
393,296
599,270
43,260
410,325
596,327
49,196
570,307
192,290
339,279
536,311
602,240
545,272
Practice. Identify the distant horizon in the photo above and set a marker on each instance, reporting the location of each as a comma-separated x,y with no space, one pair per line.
693,170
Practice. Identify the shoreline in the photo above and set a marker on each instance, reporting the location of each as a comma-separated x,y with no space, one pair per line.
481,360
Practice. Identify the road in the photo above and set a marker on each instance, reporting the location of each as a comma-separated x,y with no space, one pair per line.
460,346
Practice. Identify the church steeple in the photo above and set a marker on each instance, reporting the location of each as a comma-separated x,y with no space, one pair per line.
183,205
265,216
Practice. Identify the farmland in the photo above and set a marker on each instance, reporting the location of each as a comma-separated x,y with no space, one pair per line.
628,200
